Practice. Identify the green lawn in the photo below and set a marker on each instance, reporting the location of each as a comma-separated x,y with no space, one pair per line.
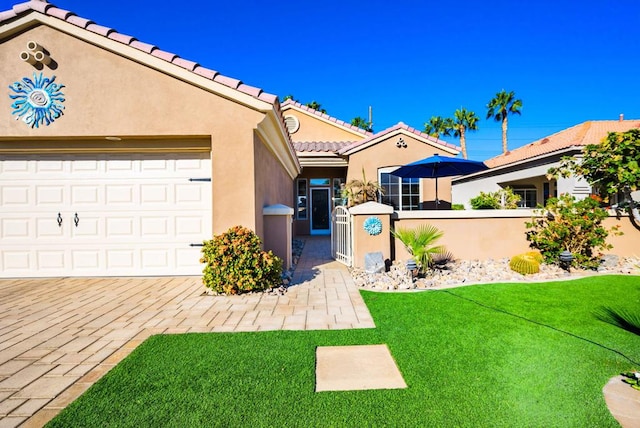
530,355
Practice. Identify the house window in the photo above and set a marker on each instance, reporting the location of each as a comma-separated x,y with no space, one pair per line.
301,199
338,186
401,193
528,197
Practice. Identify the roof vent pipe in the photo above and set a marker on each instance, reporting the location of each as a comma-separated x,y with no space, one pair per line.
621,117
42,57
33,46
27,57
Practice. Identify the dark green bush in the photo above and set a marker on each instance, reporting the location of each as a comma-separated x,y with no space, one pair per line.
236,263
576,226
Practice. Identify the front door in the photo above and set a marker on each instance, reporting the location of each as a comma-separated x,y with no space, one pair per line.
320,211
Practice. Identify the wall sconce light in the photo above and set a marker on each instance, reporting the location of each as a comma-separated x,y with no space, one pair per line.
401,143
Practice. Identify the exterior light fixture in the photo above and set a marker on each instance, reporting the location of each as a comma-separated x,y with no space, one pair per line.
565,260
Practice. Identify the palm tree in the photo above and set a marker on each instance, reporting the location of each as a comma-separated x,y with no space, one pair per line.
316,106
362,123
420,243
361,191
463,121
438,126
500,107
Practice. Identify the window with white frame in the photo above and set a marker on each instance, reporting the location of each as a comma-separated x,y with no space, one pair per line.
401,193
301,199
528,197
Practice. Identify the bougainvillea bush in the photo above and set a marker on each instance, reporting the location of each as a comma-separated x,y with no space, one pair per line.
236,263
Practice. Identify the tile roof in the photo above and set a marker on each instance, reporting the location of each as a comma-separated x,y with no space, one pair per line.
320,146
325,116
396,127
49,9
591,132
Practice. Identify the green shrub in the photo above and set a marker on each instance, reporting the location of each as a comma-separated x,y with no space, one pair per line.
502,199
457,207
236,263
525,264
570,225
486,201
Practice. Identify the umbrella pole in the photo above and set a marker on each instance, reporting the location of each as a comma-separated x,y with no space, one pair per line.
437,200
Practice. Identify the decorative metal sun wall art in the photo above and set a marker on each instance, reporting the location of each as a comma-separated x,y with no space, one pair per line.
373,226
38,101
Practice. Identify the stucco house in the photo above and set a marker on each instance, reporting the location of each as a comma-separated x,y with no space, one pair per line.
118,158
524,169
333,152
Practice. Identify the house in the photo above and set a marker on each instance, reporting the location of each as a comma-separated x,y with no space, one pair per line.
119,158
524,169
333,152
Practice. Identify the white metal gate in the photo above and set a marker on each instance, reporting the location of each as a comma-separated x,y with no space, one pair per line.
342,236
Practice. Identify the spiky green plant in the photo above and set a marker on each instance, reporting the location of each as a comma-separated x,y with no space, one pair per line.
420,243
525,264
622,318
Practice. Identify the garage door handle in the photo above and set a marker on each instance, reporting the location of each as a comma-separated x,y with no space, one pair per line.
76,220
59,220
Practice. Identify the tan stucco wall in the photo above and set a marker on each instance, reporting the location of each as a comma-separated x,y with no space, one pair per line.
272,184
110,95
387,154
494,238
313,128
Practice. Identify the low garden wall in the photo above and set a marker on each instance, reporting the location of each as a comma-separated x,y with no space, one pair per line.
493,234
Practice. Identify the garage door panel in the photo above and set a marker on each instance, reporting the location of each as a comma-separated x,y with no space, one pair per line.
137,214
86,259
50,195
15,229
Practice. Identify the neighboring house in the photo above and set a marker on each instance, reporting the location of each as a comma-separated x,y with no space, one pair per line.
118,158
333,152
524,169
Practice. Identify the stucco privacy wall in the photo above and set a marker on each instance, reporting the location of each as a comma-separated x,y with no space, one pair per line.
474,235
110,95
387,154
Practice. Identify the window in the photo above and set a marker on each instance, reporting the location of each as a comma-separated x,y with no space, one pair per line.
301,198
338,186
528,197
401,193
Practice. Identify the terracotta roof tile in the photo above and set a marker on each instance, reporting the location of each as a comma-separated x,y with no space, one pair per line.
59,13
49,9
591,132
205,72
325,116
146,47
100,29
185,63
122,38
407,128
320,146
80,22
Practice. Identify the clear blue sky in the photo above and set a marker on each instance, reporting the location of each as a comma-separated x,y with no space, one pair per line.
569,61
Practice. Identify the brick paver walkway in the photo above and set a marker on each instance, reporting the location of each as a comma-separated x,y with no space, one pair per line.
58,336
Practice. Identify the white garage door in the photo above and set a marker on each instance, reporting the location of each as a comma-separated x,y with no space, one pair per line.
103,215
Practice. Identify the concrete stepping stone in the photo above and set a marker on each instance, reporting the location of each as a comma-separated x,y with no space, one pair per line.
359,367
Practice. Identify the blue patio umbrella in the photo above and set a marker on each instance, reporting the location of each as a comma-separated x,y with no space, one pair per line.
439,166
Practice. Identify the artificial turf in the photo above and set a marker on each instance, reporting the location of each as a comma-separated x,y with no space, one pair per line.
493,355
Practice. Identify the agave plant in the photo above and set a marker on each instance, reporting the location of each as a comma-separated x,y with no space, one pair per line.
420,243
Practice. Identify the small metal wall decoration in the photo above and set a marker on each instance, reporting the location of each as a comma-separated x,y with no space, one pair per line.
373,226
38,101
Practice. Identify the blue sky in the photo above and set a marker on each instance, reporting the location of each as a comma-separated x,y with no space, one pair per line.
569,61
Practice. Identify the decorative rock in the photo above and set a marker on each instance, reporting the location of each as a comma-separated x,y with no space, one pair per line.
462,272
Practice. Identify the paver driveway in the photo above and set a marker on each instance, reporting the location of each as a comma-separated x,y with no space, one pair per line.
58,336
